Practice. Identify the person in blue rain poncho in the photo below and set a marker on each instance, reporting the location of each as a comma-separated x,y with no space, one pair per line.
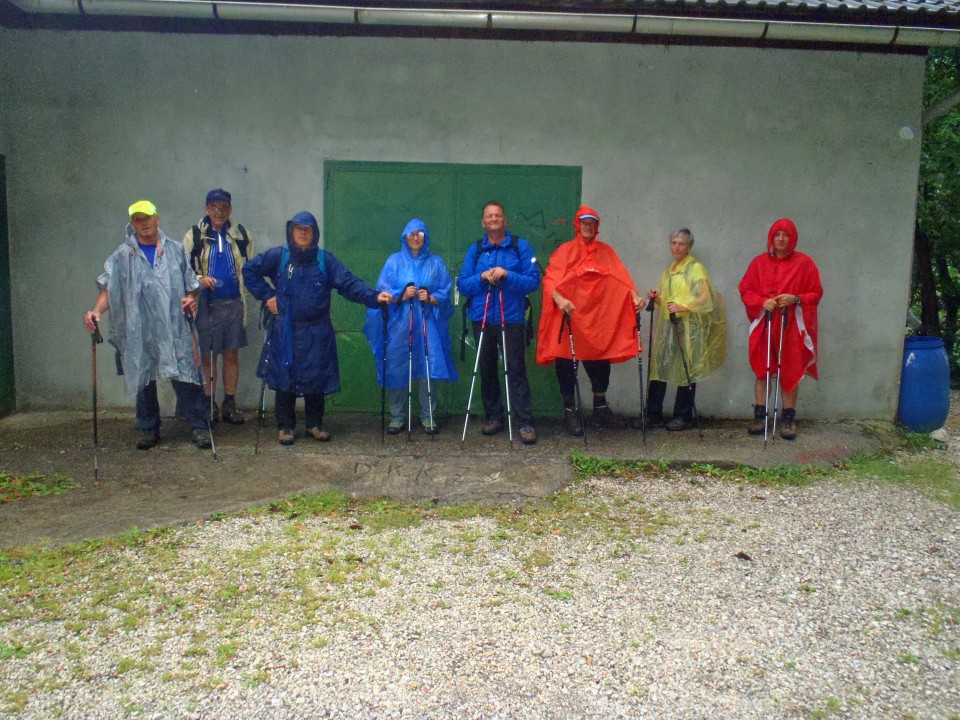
300,357
420,286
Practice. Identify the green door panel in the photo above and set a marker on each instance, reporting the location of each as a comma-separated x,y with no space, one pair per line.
366,206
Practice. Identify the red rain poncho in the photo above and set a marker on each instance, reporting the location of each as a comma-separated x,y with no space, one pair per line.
592,277
769,276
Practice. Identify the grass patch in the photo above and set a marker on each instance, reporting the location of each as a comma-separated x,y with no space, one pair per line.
929,475
16,487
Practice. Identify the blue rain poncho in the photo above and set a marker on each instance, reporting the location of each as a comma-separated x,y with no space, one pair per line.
703,330
147,325
424,271
301,355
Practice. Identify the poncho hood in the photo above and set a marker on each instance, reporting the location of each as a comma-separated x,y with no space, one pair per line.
415,225
305,219
787,225
585,210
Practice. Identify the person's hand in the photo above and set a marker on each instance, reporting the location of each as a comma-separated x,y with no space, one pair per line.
272,305
638,302
188,302
88,319
207,282
652,295
770,304
566,307
785,300
494,275
383,297
677,308
408,293
424,295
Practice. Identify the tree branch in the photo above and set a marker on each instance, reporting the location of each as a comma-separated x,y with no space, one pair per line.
940,109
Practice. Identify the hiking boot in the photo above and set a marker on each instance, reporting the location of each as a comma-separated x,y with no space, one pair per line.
528,436
572,423
431,429
319,434
652,421
148,439
395,427
231,414
201,438
756,427
603,417
492,426
285,436
788,424
679,423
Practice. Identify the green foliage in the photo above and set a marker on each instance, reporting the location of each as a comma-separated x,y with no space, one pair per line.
938,196
16,487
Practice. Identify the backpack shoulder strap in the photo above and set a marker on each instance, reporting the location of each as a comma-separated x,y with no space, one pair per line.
322,261
244,242
196,250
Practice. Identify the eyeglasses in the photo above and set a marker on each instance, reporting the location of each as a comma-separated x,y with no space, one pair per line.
418,235
218,207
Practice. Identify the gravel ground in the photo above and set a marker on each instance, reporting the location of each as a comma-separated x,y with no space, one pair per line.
625,600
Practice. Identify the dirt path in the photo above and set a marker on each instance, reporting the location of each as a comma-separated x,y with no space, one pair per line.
175,483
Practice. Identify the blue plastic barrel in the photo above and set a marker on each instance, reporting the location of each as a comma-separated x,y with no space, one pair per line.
924,384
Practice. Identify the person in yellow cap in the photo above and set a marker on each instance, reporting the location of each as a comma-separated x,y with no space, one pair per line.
147,285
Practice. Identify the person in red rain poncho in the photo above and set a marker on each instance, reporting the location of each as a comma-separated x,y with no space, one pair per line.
586,281
782,278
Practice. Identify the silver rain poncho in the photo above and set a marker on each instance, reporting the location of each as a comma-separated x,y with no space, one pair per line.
146,322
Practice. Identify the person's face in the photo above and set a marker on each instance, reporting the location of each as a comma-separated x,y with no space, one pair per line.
302,236
679,248
147,227
781,242
588,229
219,213
415,241
493,220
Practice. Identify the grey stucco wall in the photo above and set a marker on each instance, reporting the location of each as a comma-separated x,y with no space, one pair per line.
722,140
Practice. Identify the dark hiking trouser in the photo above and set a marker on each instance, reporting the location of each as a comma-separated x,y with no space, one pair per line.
597,370
682,406
191,404
521,401
285,407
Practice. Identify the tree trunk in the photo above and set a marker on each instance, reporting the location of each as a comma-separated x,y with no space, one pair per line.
924,279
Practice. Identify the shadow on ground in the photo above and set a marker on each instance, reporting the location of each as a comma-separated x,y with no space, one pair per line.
175,483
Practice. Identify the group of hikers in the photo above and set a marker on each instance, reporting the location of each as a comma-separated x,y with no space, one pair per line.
176,306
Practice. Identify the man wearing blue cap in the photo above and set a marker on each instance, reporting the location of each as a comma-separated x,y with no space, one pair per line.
147,285
218,250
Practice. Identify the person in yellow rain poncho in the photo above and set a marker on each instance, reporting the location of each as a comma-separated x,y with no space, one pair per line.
686,293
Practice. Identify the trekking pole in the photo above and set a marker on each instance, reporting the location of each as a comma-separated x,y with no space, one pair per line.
686,369
651,308
426,363
385,314
267,341
776,395
576,378
196,356
643,402
95,339
768,316
476,364
506,374
410,379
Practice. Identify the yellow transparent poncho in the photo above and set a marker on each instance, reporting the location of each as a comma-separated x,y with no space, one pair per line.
703,330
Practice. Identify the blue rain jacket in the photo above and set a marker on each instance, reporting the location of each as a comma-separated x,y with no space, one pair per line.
424,271
523,278
301,352
146,322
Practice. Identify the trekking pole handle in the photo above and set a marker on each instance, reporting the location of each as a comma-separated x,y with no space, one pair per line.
96,337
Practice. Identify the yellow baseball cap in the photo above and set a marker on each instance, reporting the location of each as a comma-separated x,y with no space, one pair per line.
142,206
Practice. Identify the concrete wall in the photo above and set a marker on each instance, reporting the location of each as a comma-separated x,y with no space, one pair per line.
721,140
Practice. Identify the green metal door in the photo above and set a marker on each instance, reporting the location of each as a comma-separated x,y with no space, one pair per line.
8,398
366,206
